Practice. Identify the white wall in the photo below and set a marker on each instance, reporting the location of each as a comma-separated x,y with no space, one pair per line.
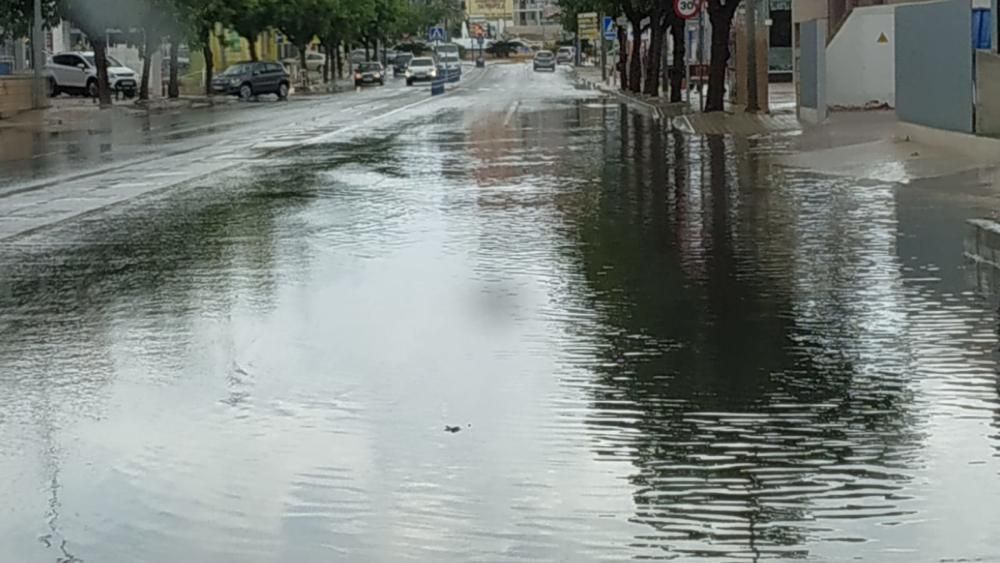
859,69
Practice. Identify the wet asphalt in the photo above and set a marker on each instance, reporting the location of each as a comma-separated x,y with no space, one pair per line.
516,323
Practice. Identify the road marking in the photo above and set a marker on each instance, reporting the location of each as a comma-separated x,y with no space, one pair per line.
510,113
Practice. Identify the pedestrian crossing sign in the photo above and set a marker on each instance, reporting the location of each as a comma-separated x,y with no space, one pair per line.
436,34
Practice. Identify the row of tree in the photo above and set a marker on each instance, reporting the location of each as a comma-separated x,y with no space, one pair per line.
149,24
644,74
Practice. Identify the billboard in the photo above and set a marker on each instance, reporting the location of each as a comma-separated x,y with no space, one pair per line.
491,9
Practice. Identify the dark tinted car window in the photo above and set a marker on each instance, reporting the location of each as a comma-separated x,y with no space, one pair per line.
68,60
366,67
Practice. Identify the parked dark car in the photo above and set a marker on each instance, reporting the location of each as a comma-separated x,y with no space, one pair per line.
544,60
369,73
247,80
401,64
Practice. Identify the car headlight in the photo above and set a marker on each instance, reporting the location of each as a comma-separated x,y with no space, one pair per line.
234,82
434,72
112,76
409,74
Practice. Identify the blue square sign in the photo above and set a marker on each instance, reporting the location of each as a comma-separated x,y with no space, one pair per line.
608,28
436,34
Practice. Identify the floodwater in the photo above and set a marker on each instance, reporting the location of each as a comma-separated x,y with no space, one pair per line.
653,346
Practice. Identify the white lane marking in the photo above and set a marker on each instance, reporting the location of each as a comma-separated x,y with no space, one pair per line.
510,113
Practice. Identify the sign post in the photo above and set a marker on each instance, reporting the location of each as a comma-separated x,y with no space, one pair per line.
586,29
688,10
607,35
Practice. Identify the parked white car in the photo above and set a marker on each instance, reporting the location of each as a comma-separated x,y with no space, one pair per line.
315,61
75,72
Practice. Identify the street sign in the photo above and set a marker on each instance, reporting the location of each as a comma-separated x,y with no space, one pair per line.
436,34
608,28
687,9
586,24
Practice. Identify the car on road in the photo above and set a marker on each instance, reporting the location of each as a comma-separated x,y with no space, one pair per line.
357,57
421,69
544,60
401,63
251,79
315,61
75,72
451,65
369,73
565,55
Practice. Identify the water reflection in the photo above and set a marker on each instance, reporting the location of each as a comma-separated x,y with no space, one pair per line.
763,352
658,346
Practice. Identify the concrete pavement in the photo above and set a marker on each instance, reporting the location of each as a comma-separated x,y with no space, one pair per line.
130,161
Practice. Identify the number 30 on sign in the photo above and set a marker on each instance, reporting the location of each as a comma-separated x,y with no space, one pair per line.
687,9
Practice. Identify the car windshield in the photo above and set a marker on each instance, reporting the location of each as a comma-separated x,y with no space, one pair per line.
237,69
422,62
543,55
368,67
111,61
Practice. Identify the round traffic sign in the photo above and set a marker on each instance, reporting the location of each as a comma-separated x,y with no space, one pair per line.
687,9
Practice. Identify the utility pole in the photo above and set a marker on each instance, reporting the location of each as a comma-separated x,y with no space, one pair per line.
37,58
753,105
604,52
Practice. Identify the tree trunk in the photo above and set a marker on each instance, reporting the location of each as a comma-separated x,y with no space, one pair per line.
652,85
340,62
147,59
302,61
327,62
635,58
173,85
253,48
101,61
206,52
622,58
677,71
721,17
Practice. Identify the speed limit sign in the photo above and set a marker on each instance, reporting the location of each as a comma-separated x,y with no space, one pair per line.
687,9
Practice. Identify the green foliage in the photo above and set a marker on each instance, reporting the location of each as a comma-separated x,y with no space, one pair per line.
16,16
251,17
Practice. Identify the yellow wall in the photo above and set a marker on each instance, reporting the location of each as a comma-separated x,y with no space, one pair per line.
238,50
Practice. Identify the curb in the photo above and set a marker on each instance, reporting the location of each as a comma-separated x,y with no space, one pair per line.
649,109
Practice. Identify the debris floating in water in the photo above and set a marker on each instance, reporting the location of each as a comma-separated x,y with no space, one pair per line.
453,429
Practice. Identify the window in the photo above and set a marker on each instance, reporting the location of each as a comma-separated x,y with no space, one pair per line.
66,60
273,67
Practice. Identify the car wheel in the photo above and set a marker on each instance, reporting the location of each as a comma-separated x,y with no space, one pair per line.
283,91
53,88
409,83
381,82
92,90
246,91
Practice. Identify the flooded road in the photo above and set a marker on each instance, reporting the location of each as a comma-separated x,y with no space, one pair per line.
653,346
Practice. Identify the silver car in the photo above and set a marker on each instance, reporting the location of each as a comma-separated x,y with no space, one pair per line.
452,66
